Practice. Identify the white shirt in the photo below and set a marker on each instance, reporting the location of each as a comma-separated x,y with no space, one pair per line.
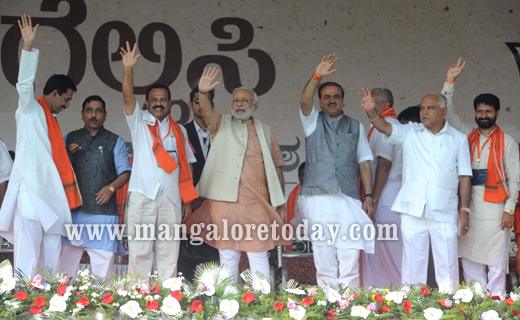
363,148
34,170
6,163
204,137
147,176
432,165
393,153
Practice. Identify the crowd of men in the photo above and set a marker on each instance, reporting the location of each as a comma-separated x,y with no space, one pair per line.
410,171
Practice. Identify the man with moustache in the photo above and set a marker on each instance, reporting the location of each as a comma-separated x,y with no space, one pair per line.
336,149
161,184
242,179
42,188
101,164
436,162
199,136
495,185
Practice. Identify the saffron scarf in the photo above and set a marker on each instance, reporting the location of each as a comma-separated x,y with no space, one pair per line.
496,188
165,161
61,158
388,113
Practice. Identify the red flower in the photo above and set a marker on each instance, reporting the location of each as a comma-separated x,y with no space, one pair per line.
425,291
20,295
155,289
509,302
379,299
308,301
40,301
514,312
331,314
31,286
248,297
441,302
83,301
62,288
196,306
35,309
152,305
177,295
108,298
384,309
356,295
407,306
278,306
495,298
77,293
138,290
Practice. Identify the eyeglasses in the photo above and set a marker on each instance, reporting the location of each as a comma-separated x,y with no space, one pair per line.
380,102
244,100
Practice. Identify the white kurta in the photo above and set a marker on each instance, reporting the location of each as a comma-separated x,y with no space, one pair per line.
484,241
35,200
34,165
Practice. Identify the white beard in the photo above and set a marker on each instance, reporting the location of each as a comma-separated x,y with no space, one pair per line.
246,116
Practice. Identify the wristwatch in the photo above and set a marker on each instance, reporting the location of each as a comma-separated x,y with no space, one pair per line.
111,188
511,212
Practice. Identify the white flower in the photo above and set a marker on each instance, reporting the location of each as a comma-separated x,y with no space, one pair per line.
149,298
46,287
8,284
479,288
229,308
209,290
139,296
69,289
322,303
297,313
433,314
463,294
490,315
122,292
66,295
131,308
171,306
57,303
296,291
173,284
332,295
262,286
395,296
132,296
457,301
156,297
95,294
514,296
359,311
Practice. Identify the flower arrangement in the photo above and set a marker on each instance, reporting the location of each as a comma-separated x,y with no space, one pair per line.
215,295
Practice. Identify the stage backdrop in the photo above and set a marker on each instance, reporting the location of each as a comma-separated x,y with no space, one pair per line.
270,46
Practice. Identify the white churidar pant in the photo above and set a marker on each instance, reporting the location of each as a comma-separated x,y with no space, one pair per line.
101,261
416,234
336,265
495,279
257,261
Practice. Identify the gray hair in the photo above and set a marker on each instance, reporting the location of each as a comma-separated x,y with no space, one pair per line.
442,100
255,97
385,94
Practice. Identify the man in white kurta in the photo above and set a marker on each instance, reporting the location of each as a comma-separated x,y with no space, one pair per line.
384,266
436,162
35,207
488,240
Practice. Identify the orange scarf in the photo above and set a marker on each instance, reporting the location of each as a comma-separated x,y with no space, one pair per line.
291,209
122,197
61,158
388,113
496,187
165,161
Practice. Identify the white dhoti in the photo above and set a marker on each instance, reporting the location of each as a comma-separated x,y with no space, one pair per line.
336,225
142,253
416,233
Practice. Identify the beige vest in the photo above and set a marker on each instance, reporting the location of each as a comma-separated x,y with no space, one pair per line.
221,174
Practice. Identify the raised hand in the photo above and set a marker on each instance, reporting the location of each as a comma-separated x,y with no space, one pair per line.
129,57
455,70
206,80
324,68
367,101
27,30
